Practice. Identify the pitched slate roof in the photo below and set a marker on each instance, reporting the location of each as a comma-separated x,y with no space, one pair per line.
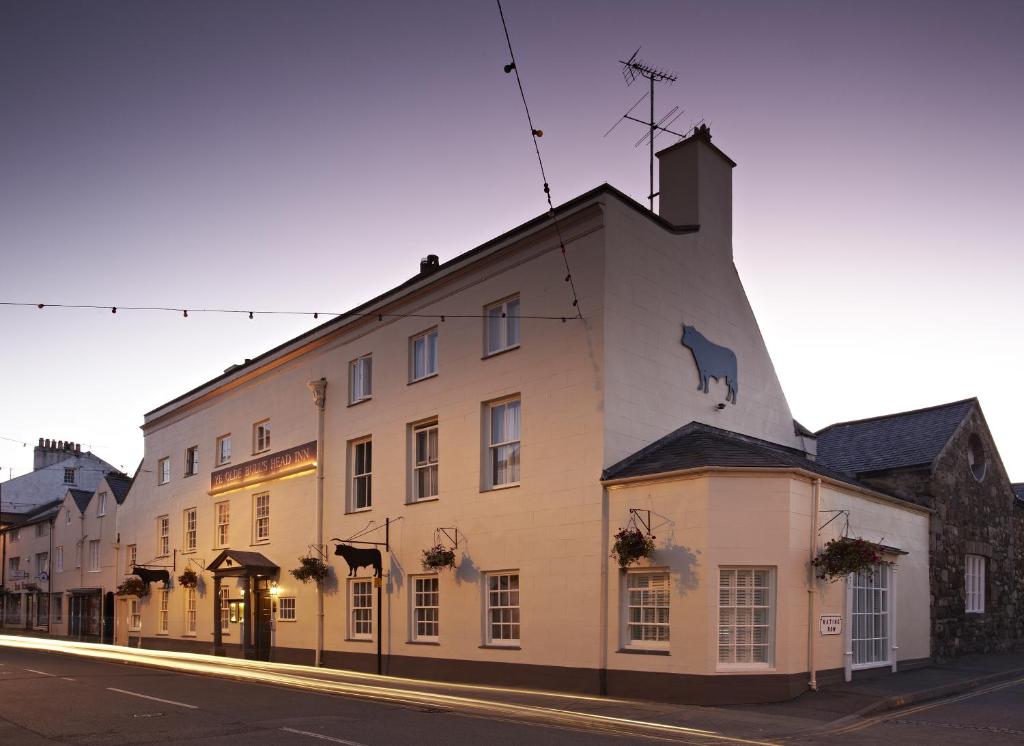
119,484
253,560
43,512
1018,490
696,445
891,441
81,497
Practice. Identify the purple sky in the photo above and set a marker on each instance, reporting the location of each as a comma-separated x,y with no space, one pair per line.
307,154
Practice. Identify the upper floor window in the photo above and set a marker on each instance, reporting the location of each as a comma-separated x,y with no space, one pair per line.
101,504
975,590
360,379
424,468
261,436
58,559
43,529
163,535
191,461
423,355
502,330
224,449
223,511
190,530
163,471
15,534
14,564
69,476
261,517
67,516
42,564
361,455
131,556
94,555
503,443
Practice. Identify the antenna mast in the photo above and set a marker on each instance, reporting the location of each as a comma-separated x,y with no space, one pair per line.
634,68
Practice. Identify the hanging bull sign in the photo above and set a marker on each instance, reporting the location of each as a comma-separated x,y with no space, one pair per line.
357,558
713,361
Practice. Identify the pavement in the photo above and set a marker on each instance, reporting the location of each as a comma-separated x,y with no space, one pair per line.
834,708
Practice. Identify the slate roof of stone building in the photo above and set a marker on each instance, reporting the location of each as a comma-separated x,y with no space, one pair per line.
891,441
81,498
41,513
698,445
119,485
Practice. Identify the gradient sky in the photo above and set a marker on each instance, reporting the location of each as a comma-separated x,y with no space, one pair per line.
306,155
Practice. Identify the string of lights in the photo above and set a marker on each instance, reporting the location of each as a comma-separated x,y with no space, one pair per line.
535,134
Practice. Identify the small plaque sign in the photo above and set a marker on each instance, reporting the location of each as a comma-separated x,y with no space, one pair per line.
272,466
831,624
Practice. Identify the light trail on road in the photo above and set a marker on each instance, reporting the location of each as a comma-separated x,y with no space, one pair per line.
383,689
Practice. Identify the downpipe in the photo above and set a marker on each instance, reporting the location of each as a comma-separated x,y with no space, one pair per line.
812,553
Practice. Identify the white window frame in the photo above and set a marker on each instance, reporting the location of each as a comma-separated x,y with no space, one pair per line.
495,448
190,526
42,564
191,461
501,326
191,613
69,475
94,555
363,615
974,580
222,527
360,474
261,518
225,610
360,379
286,612
738,598
163,535
131,556
427,466
496,605
163,470
67,516
163,612
423,351
654,634
261,436
223,448
101,504
43,529
78,554
869,613
58,559
425,606
134,614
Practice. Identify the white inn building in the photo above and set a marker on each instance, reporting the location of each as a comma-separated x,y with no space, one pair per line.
460,409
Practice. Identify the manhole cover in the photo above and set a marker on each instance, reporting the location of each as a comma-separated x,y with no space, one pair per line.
148,715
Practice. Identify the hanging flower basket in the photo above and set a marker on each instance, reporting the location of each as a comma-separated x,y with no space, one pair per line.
188,579
311,568
133,586
631,545
438,557
844,556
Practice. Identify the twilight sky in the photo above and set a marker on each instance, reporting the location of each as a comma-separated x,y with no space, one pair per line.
305,155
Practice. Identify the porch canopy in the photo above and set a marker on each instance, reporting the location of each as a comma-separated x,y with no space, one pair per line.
251,566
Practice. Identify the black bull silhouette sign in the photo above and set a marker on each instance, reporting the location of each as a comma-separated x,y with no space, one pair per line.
713,361
357,558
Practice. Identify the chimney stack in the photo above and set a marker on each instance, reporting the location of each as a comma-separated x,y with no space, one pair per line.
695,186
51,451
429,265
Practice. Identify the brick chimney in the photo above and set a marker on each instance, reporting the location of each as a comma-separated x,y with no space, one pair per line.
695,186
50,452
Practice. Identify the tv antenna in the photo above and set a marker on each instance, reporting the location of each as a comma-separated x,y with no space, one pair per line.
634,68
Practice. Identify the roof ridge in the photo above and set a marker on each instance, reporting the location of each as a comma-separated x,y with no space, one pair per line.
893,415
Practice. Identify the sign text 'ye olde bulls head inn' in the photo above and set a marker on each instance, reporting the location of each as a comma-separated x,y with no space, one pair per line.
272,466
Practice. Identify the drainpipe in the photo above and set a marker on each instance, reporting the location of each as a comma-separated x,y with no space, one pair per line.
319,389
813,552
604,610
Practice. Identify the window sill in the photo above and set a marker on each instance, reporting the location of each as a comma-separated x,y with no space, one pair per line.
499,352
190,635
162,634
744,668
257,453
500,647
260,543
424,500
357,402
191,475
643,651
424,378
187,551
423,642
498,487
358,639
359,510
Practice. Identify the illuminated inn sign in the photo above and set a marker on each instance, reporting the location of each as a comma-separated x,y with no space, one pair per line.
285,463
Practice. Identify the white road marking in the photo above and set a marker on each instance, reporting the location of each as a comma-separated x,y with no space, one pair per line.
67,678
155,699
322,737
41,673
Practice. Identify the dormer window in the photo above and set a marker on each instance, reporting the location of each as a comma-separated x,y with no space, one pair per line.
69,476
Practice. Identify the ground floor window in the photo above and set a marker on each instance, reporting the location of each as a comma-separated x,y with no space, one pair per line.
647,610
975,585
190,611
164,612
225,610
870,609
42,609
57,605
360,624
503,608
745,615
12,611
134,615
426,612
286,609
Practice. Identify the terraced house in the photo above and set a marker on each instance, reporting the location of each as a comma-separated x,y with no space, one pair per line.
472,407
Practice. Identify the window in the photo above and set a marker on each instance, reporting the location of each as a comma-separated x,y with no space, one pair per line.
94,555
286,609
42,564
57,605
425,609
134,615
223,511
190,530
360,624
69,476
101,504
976,457
362,474
869,630
503,608
130,558
261,436
78,554
42,529
224,449
14,565
163,535
745,616
191,461
58,559
67,516
42,609
164,616
163,471
647,610
225,610
261,517
502,331
975,591
15,534
423,355
503,443
190,611
424,461
360,379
